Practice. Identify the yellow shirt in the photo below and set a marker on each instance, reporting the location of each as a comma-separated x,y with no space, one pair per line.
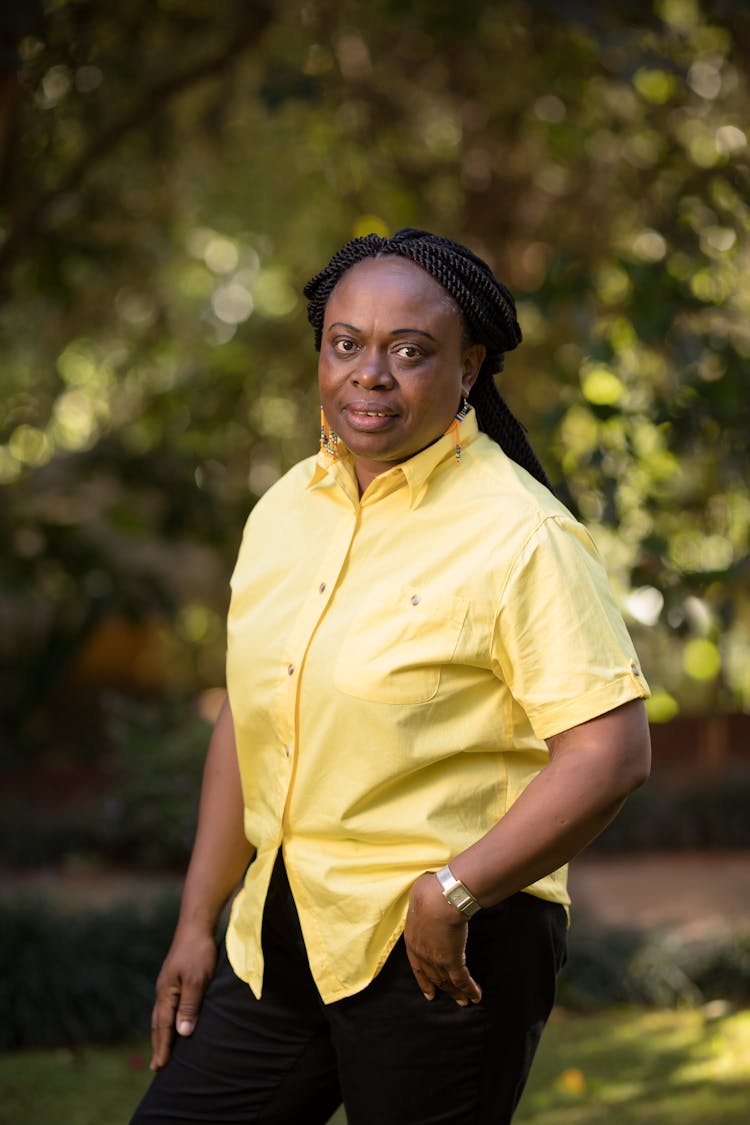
395,663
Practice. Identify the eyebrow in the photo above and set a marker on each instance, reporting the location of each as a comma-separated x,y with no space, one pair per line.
395,332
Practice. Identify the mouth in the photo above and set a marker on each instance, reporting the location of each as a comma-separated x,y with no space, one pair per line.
364,417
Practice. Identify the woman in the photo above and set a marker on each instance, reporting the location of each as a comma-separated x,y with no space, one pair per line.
433,705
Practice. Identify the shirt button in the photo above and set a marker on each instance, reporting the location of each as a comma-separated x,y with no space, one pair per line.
634,668
321,588
287,751
290,670
415,599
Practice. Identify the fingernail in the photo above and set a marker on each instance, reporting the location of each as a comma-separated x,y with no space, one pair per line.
184,1027
427,996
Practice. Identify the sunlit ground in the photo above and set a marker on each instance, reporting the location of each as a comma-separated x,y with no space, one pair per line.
649,1068
642,1067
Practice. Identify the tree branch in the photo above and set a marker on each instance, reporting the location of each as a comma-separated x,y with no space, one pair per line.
27,226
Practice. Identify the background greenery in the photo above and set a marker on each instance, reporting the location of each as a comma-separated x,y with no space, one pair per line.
173,172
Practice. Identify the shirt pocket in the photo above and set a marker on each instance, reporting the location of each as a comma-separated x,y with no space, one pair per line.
397,646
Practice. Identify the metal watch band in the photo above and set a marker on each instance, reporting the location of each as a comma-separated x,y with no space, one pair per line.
456,893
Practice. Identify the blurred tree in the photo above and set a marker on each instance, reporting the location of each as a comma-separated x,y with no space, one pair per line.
172,173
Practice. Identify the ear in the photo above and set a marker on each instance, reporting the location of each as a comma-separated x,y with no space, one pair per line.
471,361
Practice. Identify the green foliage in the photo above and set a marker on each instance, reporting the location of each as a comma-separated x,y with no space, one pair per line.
618,966
723,969
76,977
152,814
157,370
144,817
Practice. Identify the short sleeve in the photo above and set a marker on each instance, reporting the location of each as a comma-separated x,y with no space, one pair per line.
560,643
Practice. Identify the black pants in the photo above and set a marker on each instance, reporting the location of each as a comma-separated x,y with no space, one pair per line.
392,1056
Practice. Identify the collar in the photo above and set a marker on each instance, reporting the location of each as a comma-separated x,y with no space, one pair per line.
416,472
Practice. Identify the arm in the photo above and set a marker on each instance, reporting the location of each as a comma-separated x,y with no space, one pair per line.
220,855
592,769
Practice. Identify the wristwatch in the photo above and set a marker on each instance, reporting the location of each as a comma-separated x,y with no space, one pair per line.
456,893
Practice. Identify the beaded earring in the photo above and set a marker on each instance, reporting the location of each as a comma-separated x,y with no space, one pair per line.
329,439
455,426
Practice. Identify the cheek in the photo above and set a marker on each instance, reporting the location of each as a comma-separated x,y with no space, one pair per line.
324,376
329,371
328,387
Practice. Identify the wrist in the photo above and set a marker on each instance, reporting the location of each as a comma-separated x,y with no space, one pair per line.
457,893
198,919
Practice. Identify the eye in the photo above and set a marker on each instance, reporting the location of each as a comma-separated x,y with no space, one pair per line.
345,346
408,351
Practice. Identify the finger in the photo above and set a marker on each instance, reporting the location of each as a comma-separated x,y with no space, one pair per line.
456,994
426,985
161,1046
162,1029
456,981
464,985
191,995
431,982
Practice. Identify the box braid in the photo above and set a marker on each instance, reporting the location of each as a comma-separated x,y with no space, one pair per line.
486,305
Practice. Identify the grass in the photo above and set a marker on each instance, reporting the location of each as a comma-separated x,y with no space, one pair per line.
641,1067
632,1066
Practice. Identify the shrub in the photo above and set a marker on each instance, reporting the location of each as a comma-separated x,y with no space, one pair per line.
74,977
617,966
88,976
146,818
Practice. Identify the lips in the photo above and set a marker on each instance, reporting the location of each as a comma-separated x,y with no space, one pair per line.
366,416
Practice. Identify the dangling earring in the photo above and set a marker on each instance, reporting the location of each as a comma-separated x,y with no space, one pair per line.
455,426
329,439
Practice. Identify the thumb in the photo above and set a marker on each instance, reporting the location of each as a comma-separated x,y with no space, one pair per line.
187,1012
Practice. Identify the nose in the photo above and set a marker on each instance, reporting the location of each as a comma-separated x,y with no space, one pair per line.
372,371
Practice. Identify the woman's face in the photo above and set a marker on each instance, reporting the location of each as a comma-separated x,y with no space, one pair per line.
393,363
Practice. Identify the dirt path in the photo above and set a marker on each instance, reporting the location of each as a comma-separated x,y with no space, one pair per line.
696,894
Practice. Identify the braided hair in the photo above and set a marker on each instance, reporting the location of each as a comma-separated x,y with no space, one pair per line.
484,302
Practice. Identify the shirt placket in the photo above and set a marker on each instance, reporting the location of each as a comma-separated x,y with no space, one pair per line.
323,582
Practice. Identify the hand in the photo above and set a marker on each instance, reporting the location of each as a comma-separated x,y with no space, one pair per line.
435,937
186,971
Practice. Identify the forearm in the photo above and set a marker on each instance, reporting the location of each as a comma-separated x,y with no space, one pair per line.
592,770
221,851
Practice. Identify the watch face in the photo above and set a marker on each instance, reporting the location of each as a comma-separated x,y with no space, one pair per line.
462,899
458,897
